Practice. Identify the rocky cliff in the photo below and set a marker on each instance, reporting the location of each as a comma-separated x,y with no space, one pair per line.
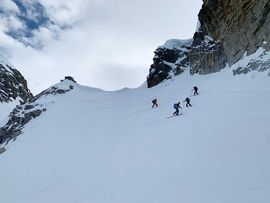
230,30
170,60
241,25
12,84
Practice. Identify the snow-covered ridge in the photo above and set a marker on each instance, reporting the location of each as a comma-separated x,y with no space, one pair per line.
31,109
176,43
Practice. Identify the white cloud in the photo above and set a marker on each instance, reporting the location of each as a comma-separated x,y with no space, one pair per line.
110,44
9,6
66,12
10,22
14,22
6,41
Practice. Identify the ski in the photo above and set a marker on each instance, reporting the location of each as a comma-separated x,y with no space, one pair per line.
174,116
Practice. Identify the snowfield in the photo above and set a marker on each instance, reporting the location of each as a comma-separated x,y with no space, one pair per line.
5,109
93,146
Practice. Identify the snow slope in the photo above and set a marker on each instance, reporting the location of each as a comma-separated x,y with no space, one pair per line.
111,147
5,109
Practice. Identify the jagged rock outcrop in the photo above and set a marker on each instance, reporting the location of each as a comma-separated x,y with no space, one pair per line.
29,110
206,55
229,31
69,78
260,61
12,84
241,25
170,60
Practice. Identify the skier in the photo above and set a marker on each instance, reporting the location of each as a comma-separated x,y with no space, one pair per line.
176,106
195,89
154,103
187,100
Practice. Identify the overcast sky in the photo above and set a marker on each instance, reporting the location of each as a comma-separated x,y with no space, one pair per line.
107,44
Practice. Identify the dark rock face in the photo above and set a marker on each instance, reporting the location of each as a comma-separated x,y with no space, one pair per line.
25,112
228,30
203,56
206,55
167,63
2,150
241,25
69,78
12,84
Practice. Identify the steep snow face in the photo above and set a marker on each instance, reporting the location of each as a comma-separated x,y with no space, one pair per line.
5,109
259,61
112,147
198,26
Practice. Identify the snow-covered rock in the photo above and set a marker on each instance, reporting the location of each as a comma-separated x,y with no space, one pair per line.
12,84
226,31
260,61
13,91
31,109
176,44
170,59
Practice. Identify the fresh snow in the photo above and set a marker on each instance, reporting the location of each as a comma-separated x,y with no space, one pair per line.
5,109
176,43
5,62
112,147
261,56
198,26
3,55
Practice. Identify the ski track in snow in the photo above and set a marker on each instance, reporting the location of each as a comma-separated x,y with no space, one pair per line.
112,147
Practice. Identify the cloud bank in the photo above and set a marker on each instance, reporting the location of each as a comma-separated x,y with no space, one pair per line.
104,44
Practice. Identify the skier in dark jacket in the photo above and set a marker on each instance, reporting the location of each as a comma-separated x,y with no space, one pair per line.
154,103
187,100
195,89
176,106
